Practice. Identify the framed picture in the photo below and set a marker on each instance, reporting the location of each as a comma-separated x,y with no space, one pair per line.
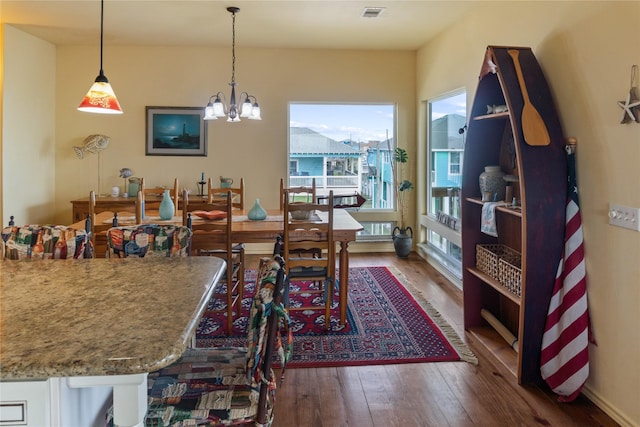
176,131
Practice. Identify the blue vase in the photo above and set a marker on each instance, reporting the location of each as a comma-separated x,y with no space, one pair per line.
167,207
257,212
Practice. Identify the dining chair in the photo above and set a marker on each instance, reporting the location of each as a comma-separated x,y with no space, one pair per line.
164,240
221,192
232,385
98,234
302,193
212,237
309,252
37,241
174,193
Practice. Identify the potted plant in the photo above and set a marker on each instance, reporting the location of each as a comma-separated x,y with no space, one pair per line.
402,234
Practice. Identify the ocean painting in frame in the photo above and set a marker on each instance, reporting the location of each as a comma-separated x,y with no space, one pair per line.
176,131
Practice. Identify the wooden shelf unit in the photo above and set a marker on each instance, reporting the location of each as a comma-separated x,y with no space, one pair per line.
535,229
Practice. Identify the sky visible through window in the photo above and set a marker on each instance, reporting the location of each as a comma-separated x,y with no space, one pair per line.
449,105
343,122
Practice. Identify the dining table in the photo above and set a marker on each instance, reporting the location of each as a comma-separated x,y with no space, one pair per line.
345,228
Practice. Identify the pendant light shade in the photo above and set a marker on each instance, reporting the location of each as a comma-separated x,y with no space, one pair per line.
216,108
100,99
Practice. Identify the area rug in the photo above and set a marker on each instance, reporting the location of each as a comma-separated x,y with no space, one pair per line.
386,324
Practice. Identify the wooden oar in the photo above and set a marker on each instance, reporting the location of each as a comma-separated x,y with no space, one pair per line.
533,127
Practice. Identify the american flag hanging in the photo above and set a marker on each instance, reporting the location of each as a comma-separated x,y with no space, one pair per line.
564,361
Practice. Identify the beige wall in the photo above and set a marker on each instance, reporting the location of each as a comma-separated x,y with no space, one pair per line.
28,117
187,76
586,50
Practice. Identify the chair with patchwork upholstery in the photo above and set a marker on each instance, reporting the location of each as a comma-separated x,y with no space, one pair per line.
148,240
44,242
212,237
309,252
227,386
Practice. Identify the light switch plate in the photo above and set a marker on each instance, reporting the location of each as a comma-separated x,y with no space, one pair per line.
624,216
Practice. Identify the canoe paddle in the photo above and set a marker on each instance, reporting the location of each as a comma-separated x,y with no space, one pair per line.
533,127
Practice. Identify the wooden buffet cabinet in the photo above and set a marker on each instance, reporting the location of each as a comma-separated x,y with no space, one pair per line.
535,229
80,207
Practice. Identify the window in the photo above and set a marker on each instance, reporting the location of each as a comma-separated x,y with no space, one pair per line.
440,224
293,167
454,163
345,148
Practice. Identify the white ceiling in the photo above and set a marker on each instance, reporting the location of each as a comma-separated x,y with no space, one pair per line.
404,25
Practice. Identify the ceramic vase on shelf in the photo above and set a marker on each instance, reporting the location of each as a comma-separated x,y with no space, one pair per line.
167,207
492,184
257,212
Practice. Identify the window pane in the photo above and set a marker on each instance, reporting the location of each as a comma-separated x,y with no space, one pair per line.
440,222
447,118
345,148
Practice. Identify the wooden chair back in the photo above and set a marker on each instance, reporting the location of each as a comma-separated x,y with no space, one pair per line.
214,238
217,193
208,235
308,193
309,249
98,233
174,193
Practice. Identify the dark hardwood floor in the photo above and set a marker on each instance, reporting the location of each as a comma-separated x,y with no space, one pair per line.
423,394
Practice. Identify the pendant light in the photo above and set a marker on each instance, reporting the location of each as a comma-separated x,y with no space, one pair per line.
216,108
100,98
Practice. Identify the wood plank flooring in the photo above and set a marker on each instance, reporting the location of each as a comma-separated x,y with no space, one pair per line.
423,394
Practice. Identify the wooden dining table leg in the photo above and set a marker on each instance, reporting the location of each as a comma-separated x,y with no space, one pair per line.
344,279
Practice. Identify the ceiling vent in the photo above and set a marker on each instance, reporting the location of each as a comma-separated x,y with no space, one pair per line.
372,12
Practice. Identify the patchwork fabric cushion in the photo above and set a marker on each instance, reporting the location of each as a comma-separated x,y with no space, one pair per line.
44,242
220,386
149,240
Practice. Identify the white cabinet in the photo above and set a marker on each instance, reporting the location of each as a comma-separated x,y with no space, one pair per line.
25,403
52,402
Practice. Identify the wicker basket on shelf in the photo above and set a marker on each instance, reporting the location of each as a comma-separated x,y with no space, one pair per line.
510,272
488,258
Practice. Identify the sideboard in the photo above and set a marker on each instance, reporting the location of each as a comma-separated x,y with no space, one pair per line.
80,207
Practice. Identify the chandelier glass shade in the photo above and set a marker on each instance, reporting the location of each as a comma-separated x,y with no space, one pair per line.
216,107
100,99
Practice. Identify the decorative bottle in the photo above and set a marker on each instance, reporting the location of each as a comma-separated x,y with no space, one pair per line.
257,212
492,184
167,207
60,248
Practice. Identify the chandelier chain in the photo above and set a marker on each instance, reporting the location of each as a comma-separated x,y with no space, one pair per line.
233,49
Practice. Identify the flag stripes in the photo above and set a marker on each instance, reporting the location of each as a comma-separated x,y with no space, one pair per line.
565,355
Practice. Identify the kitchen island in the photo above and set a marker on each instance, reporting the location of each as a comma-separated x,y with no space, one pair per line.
70,324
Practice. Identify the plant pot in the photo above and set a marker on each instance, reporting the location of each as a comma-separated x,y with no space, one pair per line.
402,241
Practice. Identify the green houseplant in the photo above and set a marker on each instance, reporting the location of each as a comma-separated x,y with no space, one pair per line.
402,234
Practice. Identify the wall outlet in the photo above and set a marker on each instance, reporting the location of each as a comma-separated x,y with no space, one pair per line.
624,216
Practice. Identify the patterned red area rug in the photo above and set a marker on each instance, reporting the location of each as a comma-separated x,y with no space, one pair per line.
386,324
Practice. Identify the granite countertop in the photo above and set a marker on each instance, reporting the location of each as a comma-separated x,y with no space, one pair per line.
63,318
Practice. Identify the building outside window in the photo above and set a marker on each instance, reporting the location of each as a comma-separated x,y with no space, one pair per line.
440,223
346,149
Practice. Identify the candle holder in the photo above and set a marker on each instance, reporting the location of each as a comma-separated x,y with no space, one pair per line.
201,187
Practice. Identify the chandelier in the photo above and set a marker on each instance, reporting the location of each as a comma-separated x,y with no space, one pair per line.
216,108
100,98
